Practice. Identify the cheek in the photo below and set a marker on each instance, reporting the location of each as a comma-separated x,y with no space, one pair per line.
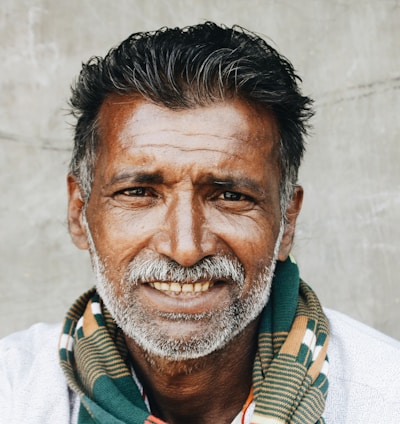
251,239
120,235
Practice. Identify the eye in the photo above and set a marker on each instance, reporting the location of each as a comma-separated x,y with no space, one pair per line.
136,197
234,196
135,192
234,202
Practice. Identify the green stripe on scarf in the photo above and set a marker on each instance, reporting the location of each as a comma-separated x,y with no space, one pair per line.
283,386
289,375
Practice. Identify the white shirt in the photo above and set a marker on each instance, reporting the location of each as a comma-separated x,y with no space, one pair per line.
364,377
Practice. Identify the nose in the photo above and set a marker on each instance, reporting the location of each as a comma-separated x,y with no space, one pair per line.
185,237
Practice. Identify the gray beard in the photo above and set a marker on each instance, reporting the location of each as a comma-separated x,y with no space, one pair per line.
221,325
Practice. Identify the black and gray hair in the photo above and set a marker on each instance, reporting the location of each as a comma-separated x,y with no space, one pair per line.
182,68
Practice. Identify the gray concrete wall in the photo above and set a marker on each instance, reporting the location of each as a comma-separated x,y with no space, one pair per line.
348,54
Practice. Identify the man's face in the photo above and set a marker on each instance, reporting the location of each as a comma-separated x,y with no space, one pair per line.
183,221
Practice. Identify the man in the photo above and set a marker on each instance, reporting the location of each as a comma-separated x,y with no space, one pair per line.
183,186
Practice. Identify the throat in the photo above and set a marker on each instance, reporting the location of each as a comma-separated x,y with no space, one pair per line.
190,399
213,388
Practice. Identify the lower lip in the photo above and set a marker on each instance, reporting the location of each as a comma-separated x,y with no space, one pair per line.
215,297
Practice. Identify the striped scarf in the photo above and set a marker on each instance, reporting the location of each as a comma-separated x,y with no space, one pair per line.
289,375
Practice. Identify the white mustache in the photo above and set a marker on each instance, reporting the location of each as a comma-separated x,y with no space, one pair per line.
163,269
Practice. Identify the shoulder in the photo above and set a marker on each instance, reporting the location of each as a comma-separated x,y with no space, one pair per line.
25,351
33,388
31,340
364,376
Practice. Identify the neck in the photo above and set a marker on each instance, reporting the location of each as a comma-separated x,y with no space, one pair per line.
209,389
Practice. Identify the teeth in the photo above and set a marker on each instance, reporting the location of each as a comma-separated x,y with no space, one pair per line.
181,288
187,288
175,287
164,286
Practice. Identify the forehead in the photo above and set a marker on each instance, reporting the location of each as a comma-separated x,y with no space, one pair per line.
227,140
127,121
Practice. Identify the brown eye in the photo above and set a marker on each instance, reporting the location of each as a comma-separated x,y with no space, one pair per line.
233,196
136,191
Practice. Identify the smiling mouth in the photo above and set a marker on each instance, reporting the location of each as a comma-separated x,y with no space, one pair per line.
182,288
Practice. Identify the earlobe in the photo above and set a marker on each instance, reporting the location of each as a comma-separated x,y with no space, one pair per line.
292,213
75,214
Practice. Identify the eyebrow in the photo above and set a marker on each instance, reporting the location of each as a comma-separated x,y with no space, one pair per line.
138,177
236,183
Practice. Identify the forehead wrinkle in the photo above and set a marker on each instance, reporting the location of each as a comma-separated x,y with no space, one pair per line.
236,137
130,124
187,149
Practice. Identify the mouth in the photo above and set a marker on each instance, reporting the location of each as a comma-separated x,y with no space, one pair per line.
175,288
185,297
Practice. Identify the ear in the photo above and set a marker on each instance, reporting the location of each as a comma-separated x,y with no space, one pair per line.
75,214
292,213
